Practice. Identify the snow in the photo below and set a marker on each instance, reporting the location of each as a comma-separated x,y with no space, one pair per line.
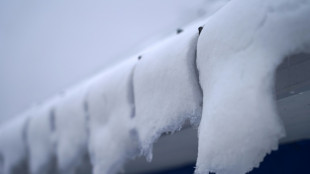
13,145
113,138
41,141
166,88
238,53
224,84
71,134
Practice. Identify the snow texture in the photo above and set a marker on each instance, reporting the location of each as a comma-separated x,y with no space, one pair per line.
71,134
41,140
166,88
238,53
13,145
122,111
113,138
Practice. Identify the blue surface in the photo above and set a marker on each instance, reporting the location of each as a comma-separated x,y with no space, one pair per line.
292,158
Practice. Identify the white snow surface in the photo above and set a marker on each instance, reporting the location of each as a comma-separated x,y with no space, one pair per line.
12,144
122,111
70,133
238,53
41,140
113,138
166,88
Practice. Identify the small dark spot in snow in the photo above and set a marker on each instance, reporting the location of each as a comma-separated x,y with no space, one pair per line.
139,57
200,29
212,173
179,30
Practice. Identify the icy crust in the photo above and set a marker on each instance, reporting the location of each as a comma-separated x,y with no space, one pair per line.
70,133
238,53
166,88
41,141
113,138
13,145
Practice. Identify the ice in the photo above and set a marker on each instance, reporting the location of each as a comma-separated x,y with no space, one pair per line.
166,88
239,50
113,137
41,141
13,146
70,133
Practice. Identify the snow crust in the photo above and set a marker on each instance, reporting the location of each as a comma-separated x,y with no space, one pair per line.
41,140
238,53
12,144
166,88
71,134
113,138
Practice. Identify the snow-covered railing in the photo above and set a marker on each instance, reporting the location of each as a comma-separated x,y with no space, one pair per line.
223,76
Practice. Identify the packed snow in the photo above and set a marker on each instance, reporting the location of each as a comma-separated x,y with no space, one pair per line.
221,79
113,137
166,88
238,54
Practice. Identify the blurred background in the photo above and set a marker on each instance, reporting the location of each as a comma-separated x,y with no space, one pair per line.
48,46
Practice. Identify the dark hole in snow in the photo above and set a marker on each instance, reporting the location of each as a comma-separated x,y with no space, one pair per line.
200,29
139,57
212,173
179,30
